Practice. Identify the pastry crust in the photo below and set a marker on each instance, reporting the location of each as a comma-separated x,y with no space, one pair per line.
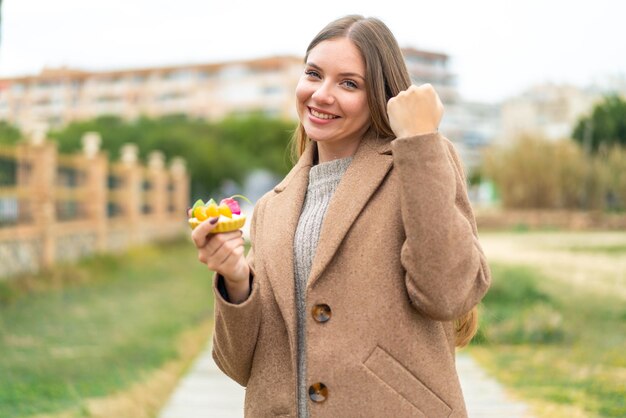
223,225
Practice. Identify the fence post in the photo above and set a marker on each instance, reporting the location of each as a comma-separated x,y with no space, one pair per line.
43,155
180,183
158,179
95,201
132,189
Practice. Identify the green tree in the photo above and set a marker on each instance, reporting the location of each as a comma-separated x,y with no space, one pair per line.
9,134
114,131
606,126
214,152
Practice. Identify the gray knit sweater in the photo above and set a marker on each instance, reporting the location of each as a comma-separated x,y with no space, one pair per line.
323,180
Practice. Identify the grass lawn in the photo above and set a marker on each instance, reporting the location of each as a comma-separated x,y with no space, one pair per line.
560,347
109,324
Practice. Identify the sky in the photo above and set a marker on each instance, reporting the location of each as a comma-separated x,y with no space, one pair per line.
497,48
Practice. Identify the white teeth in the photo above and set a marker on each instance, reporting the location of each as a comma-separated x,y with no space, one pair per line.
322,115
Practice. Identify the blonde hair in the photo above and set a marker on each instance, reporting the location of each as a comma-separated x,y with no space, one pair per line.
386,75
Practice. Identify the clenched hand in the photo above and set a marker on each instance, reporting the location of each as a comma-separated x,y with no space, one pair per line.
415,111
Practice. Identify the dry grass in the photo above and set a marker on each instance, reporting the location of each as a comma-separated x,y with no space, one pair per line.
543,409
582,259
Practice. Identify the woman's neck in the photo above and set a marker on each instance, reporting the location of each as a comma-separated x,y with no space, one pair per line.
329,152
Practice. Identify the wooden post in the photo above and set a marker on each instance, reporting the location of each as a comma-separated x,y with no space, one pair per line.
132,182
158,179
96,166
180,194
43,156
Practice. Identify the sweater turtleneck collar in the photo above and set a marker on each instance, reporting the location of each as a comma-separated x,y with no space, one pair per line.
328,171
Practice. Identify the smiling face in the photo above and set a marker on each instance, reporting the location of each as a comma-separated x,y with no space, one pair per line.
331,95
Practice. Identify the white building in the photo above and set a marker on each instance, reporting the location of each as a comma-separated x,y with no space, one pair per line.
56,97
471,126
547,110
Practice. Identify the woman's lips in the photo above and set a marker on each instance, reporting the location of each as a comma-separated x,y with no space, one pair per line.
320,117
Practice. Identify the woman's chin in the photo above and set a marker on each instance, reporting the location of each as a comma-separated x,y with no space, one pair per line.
317,136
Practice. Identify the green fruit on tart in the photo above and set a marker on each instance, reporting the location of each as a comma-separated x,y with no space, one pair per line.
228,212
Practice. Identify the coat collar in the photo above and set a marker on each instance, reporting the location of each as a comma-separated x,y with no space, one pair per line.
372,162
370,144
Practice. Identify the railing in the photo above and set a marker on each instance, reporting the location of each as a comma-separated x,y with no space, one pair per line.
62,207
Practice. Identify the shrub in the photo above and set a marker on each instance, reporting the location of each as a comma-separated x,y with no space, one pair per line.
535,173
613,160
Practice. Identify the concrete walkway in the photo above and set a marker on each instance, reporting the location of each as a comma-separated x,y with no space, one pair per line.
484,396
205,392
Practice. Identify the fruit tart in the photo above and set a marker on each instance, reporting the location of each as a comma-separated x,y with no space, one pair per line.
228,211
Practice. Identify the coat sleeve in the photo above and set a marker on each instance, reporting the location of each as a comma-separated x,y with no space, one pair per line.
446,270
237,326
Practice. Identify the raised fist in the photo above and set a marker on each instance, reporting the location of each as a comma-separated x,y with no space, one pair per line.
415,111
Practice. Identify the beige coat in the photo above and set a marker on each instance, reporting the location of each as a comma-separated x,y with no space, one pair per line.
398,260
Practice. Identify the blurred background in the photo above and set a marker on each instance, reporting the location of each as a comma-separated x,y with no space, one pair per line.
115,116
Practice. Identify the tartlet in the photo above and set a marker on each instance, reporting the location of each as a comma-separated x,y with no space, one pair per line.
228,211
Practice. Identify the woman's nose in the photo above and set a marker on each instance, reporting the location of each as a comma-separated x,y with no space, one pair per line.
324,94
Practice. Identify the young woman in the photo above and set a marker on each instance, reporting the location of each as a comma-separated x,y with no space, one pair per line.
365,267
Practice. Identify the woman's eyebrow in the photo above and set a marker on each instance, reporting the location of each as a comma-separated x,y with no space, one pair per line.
317,67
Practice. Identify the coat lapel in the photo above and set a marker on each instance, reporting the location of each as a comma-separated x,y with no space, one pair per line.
280,220
368,168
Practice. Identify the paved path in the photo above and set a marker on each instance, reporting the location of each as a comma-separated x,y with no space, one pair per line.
484,396
207,393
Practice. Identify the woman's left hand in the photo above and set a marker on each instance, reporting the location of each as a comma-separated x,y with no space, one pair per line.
415,111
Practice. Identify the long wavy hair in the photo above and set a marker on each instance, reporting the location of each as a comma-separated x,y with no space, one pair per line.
386,75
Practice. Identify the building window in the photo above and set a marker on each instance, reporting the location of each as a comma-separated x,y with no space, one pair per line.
138,79
234,71
170,96
205,75
18,88
272,90
180,75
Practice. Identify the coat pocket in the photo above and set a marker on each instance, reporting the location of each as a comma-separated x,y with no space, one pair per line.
406,384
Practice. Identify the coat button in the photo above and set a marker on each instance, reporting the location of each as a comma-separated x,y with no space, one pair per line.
318,392
321,313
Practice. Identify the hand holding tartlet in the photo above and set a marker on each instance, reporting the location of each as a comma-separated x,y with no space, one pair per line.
220,243
228,213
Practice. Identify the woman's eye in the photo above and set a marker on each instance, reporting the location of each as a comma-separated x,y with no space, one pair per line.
350,84
312,73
